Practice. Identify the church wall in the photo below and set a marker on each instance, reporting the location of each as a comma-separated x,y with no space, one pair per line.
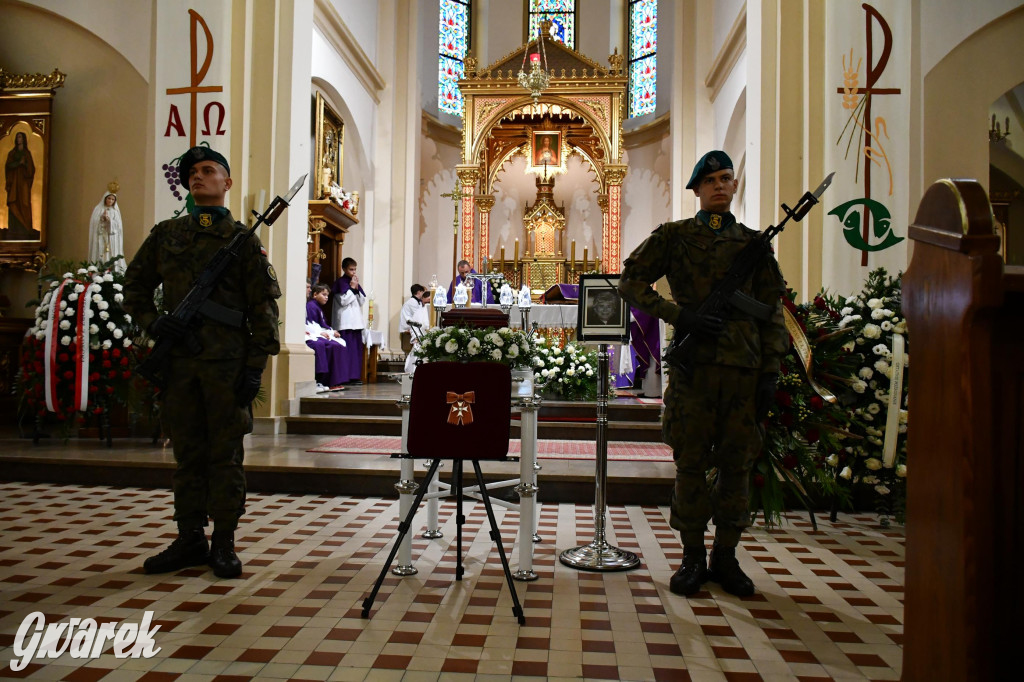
361,18
99,133
433,243
646,194
725,14
946,23
505,30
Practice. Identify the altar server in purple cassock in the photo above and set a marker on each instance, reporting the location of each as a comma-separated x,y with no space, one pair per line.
348,299
477,293
327,344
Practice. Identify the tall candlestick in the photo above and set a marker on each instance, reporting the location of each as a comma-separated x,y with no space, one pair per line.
516,260
573,252
503,258
584,259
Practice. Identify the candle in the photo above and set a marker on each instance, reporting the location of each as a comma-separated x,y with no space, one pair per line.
535,58
573,251
503,257
516,260
584,258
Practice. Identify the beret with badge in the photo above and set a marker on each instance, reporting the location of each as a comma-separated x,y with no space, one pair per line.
712,162
194,156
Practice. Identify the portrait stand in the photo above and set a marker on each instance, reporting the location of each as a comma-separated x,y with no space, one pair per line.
599,555
603,328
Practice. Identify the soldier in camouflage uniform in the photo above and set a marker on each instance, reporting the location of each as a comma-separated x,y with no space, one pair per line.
714,411
206,405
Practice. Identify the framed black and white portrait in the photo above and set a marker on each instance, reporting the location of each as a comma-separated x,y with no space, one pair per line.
603,314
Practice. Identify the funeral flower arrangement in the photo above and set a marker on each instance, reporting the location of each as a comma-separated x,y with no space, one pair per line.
841,390
80,354
461,344
569,372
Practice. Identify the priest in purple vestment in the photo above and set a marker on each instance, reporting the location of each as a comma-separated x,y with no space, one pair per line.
478,293
347,317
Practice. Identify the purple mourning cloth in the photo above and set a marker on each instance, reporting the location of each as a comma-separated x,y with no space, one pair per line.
562,292
329,362
476,296
343,284
644,347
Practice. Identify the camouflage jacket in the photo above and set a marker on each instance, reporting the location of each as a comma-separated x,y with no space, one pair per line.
174,254
694,259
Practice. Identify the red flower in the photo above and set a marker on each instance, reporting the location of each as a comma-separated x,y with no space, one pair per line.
63,357
94,388
124,362
789,461
759,480
97,410
106,364
39,354
69,374
116,353
783,398
812,435
106,354
819,303
113,374
816,402
94,376
126,374
110,389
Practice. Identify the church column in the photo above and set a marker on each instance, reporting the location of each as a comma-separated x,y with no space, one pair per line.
612,258
468,175
602,203
486,203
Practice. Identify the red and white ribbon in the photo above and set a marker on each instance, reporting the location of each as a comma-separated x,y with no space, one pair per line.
892,419
50,348
82,350
52,345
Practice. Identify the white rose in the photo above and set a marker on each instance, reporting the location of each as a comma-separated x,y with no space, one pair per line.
846,473
590,373
473,347
901,470
65,340
874,303
111,326
513,351
65,324
881,490
858,386
104,315
496,354
865,373
118,333
96,298
108,277
71,298
107,344
872,331
102,305
559,361
887,313
873,463
127,342
93,329
451,346
570,372
832,460
544,372
79,288
878,314
67,275
118,287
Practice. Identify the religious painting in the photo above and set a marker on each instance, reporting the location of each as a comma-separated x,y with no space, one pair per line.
25,150
329,135
546,151
603,315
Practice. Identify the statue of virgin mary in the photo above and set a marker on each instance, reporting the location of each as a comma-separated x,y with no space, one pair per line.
106,235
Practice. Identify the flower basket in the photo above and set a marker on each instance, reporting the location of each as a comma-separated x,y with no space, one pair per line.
566,372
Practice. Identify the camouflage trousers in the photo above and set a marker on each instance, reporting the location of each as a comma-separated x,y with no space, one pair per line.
201,415
710,422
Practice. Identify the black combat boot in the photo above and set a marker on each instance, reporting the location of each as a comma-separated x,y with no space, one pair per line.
188,549
725,570
692,574
223,560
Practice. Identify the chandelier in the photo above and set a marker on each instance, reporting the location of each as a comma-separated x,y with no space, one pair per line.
538,78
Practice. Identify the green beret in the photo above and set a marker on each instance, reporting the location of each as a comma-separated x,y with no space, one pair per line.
712,162
194,156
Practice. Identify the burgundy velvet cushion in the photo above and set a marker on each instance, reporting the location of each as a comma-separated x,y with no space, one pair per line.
460,410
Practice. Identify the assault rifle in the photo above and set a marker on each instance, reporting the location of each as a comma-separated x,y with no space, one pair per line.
197,300
727,291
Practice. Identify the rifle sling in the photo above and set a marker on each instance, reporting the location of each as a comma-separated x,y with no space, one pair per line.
222,314
750,306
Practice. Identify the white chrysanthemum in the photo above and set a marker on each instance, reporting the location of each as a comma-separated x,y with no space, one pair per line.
93,329
881,395
71,299
504,330
79,288
852,301
82,271
104,315
65,340
901,470
40,335
451,346
63,305
440,340
127,318
127,342
67,275
873,463
96,298
92,268
107,344
873,408
496,354
846,473
858,386
865,373
538,362
881,365
118,287
118,333
867,417
545,351
846,311
872,331
45,324
65,324
108,277
111,326
874,303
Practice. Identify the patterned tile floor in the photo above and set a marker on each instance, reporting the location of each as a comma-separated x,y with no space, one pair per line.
829,602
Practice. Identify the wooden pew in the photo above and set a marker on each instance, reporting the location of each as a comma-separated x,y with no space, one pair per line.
965,484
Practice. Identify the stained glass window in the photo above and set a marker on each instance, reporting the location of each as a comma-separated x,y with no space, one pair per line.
452,46
561,14
643,56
